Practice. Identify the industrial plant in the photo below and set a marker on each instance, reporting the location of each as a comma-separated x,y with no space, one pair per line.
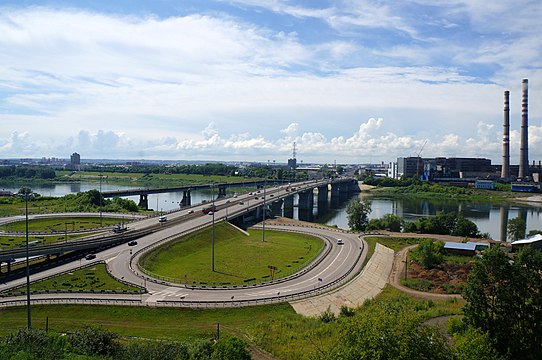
479,172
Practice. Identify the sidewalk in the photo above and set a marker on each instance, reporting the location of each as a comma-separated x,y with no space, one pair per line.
365,286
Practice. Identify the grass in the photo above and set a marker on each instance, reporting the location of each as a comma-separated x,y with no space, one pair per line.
60,224
417,284
11,242
239,259
93,278
145,322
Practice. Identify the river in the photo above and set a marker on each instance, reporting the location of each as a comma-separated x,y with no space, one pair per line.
489,217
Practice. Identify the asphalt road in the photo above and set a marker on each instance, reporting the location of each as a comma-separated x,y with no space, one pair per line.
336,262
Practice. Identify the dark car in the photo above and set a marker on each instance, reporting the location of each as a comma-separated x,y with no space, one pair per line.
132,243
90,256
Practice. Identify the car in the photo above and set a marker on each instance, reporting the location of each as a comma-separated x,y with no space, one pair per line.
340,242
271,195
210,213
255,197
250,193
241,203
162,218
227,201
90,256
132,243
190,212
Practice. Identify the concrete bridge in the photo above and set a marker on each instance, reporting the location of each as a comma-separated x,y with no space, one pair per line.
247,208
186,200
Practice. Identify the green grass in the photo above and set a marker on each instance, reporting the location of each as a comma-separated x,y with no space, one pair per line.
417,284
11,242
239,259
458,259
94,278
60,224
145,322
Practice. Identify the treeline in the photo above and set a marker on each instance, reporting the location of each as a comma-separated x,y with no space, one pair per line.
207,169
97,343
27,172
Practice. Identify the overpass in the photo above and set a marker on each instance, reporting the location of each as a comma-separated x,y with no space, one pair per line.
250,203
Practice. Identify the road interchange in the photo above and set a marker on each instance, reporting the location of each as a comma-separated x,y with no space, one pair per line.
336,265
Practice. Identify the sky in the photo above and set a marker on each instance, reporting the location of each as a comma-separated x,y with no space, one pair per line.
241,80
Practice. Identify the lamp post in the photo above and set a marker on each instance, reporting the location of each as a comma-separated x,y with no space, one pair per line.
26,191
263,211
213,230
101,223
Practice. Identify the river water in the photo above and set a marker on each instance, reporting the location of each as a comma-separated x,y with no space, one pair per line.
489,217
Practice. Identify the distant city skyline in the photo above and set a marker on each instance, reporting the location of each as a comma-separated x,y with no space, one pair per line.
241,80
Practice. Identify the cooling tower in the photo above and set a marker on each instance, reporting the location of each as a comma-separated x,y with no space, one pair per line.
505,171
524,138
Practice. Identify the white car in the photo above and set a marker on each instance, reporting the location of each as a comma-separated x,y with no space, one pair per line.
162,219
340,242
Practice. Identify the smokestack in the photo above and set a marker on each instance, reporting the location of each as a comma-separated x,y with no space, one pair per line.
505,171
524,144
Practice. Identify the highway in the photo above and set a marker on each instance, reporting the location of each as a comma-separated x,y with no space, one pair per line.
336,264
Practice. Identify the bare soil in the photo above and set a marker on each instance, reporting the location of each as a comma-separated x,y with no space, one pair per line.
441,277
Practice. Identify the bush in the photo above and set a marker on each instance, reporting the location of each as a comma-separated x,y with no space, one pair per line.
429,253
94,341
32,344
155,350
231,349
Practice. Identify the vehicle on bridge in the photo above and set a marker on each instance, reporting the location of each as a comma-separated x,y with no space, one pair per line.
209,209
162,218
119,229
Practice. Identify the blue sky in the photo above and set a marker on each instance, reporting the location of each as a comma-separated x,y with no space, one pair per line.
352,81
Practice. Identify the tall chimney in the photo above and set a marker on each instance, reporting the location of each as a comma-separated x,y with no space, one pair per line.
524,140
505,171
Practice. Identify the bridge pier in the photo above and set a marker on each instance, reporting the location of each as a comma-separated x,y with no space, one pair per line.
187,198
221,192
305,205
276,207
289,207
144,201
335,198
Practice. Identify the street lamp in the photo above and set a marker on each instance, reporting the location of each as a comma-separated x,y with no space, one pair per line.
26,193
101,224
263,212
213,230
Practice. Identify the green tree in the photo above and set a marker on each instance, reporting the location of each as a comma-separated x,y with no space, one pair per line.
392,222
429,253
516,228
504,300
32,344
94,341
386,330
465,227
231,349
358,214
473,344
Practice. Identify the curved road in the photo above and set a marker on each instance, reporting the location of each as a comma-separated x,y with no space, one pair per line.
334,267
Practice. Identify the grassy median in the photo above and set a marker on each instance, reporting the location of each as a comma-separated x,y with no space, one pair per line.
239,259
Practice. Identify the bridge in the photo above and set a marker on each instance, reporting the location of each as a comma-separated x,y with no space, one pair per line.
186,200
244,208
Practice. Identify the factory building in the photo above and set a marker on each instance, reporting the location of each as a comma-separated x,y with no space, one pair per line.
441,167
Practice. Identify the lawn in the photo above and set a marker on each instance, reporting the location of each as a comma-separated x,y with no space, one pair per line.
11,242
239,259
93,278
145,322
60,224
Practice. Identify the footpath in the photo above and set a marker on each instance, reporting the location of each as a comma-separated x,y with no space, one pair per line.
366,285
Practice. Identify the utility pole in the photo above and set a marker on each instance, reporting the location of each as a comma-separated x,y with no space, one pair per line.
26,190
213,230
263,212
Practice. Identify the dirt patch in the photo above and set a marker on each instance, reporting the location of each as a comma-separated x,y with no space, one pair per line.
442,279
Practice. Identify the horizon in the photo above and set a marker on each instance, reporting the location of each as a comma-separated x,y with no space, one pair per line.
353,82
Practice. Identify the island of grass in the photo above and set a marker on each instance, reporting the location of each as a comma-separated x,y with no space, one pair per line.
92,278
61,224
240,259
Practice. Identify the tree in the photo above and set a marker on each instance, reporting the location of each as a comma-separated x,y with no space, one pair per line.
231,349
465,227
358,214
388,329
504,300
94,341
516,228
429,253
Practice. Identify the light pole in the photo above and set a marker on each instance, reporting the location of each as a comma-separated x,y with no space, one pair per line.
263,212
101,224
26,191
213,230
